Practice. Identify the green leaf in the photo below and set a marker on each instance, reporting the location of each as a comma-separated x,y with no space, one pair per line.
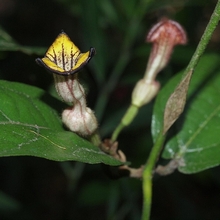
194,139
7,43
31,127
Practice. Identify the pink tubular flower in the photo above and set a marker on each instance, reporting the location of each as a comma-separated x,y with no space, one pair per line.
164,36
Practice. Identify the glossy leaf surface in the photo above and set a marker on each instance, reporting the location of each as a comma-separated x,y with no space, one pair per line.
30,126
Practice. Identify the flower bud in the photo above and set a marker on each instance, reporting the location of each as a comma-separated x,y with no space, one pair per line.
80,120
69,88
144,92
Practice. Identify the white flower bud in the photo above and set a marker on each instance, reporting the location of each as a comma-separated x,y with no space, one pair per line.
69,88
80,120
144,92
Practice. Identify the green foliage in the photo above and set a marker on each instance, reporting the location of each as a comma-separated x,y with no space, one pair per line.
30,127
194,140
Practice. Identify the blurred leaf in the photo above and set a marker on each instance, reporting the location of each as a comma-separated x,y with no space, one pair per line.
89,197
182,55
195,139
8,44
128,7
180,3
8,204
109,10
72,6
95,36
30,127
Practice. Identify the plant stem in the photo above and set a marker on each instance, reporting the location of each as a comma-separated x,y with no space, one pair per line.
147,176
125,121
95,139
148,170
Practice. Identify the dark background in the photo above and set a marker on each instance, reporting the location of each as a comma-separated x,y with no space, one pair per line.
34,188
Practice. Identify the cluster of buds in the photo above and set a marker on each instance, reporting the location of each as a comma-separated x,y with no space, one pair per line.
164,36
78,118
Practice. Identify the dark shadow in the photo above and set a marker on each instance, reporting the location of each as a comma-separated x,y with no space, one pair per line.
53,102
